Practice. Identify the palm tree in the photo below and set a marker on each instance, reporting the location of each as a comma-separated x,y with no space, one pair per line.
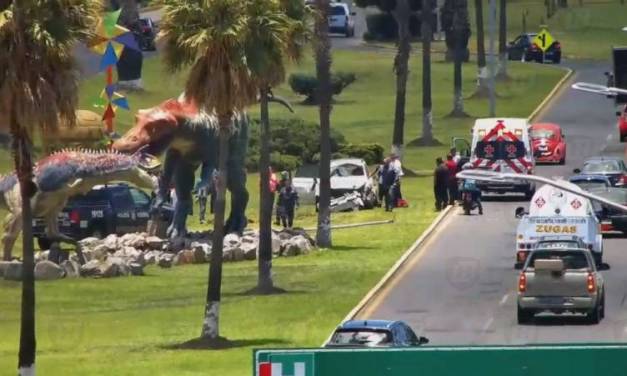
482,79
460,31
401,67
322,47
427,105
281,29
38,89
214,38
502,74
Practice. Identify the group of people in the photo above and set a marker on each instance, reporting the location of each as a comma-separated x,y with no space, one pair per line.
287,199
447,188
389,175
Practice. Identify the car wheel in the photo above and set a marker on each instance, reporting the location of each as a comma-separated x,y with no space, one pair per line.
603,305
563,160
557,59
524,315
44,243
594,316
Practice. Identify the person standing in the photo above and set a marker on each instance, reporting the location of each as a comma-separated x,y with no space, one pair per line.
284,178
452,179
389,179
286,203
440,184
398,170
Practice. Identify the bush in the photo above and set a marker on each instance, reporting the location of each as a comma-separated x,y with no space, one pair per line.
382,27
371,153
306,84
293,142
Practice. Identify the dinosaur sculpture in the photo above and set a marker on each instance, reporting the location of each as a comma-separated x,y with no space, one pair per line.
64,174
189,138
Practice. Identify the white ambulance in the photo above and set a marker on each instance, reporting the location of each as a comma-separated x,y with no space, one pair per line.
554,212
503,145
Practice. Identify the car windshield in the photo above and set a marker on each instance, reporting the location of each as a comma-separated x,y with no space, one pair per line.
362,337
338,10
571,259
590,185
601,166
348,170
542,133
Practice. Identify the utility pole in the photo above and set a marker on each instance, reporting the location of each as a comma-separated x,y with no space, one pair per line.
492,55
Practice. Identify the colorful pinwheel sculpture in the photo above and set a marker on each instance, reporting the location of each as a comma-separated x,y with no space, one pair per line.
110,41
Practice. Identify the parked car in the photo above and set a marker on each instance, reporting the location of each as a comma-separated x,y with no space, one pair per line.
147,34
622,124
523,48
547,140
341,19
106,209
374,333
590,182
560,280
612,167
347,175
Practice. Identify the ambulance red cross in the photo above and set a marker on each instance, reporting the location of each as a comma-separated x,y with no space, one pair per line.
503,145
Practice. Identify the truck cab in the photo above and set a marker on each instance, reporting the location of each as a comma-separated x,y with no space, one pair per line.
554,212
503,145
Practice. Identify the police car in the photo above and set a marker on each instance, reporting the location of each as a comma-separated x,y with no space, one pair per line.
116,208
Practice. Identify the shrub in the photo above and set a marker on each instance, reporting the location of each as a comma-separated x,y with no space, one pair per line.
382,27
293,143
306,84
371,153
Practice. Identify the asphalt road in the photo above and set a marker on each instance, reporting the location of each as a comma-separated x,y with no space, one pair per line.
89,62
461,288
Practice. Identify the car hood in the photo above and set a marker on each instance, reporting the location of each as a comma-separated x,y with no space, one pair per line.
348,182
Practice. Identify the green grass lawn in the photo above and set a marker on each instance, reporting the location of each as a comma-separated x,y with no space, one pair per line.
124,326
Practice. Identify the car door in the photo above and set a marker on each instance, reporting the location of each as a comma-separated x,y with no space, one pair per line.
400,336
123,210
141,204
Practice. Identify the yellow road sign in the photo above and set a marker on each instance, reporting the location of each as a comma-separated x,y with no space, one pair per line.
544,40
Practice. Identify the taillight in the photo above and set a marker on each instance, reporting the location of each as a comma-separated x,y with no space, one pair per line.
622,180
522,282
521,256
534,47
75,217
591,283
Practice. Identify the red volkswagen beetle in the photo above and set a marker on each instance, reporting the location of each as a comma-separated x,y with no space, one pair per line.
547,140
622,124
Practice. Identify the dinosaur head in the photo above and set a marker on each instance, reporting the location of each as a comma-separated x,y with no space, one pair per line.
154,128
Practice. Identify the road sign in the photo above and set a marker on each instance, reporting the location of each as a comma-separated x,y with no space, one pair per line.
544,40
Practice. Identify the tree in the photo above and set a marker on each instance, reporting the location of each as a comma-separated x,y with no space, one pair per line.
460,33
482,73
213,37
281,28
38,89
427,105
502,73
401,10
322,51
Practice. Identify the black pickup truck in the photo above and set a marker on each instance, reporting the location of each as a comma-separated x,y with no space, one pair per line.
107,209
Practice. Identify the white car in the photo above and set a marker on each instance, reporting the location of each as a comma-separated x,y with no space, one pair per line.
341,19
347,175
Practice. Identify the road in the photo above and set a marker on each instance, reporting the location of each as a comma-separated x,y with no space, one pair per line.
461,288
89,62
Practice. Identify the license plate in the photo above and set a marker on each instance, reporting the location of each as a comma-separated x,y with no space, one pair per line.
552,300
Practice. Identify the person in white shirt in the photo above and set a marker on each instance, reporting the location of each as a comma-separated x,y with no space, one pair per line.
397,166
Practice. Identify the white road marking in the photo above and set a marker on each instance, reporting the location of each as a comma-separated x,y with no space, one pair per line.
504,299
487,324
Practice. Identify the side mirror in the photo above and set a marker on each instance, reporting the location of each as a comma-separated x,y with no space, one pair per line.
577,171
519,212
421,341
353,13
603,267
618,113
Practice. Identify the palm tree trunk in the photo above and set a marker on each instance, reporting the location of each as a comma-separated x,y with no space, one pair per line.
323,71
427,116
210,327
401,67
264,281
482,71
502,74
23,166
458,99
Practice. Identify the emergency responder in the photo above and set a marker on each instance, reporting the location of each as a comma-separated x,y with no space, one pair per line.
470,185
440,184
452,179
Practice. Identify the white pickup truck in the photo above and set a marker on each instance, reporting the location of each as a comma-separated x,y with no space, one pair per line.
560,280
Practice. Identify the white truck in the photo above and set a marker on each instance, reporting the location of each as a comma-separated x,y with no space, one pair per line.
553,211
503,145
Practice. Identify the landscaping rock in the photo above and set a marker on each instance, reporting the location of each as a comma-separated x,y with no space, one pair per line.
136,269
108,269
134,240
111,242
276,244
155,243
185,257
90,242
71,268
296,246
13,271
165,260
151,257
250,250
3,267
121,268
41,256
48,271
231,240
101,252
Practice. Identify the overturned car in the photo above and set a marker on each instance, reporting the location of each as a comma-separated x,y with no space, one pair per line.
348,176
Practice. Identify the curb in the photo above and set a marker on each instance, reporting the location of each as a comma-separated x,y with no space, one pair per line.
551,95
401,261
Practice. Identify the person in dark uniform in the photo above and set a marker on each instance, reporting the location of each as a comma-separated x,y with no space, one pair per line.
286,203
440,184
